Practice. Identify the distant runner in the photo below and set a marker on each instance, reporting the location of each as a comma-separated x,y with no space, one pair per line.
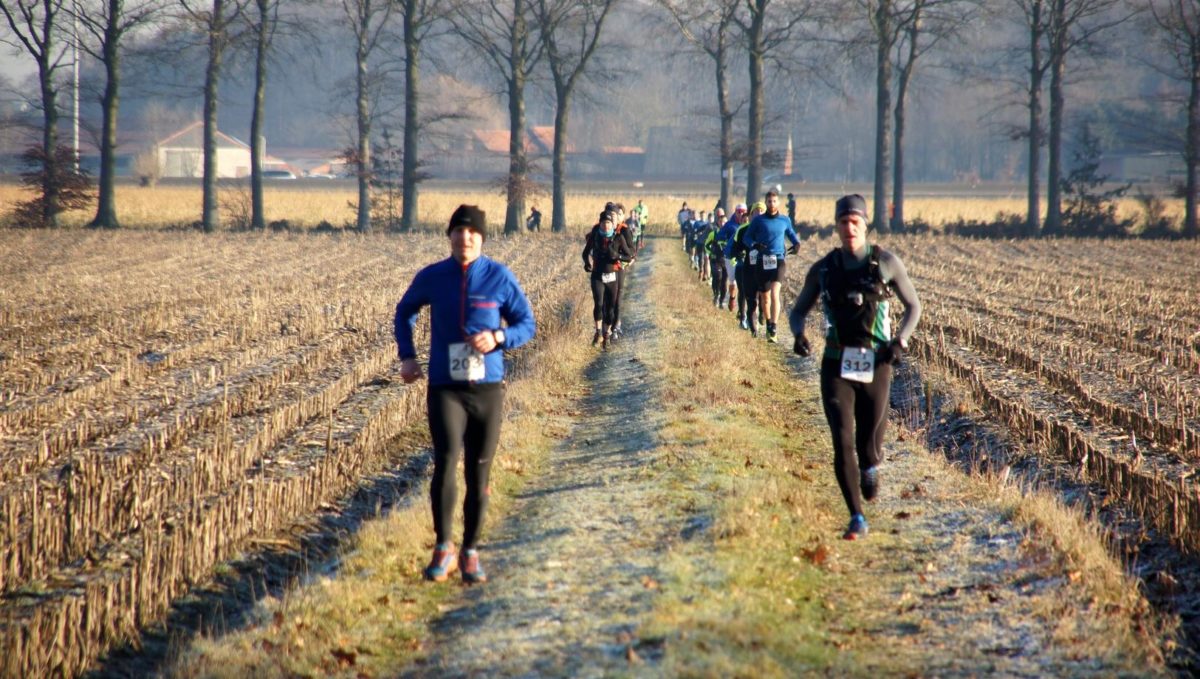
602,255
766,234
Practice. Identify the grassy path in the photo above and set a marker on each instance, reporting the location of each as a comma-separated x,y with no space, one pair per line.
671,511
575,561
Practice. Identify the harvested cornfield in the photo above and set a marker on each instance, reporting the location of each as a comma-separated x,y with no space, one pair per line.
1088,350
167,398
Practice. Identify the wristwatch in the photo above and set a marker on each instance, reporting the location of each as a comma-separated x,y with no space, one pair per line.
498,335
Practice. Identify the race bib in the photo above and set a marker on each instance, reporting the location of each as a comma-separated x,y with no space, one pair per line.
770,262
858,364
466,364
753,257
608,277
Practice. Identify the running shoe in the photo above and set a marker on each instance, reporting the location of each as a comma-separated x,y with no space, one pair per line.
868,481
857,529
753,331
472,572
771,334
745,323
596,337
442,564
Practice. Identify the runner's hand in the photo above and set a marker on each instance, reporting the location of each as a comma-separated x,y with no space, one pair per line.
587,268
483,342
410,370
801,346
893,353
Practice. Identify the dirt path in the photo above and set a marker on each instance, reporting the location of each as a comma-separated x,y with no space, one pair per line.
573,567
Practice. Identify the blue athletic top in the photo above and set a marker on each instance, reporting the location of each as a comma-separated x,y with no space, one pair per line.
725,235
463,302
770,231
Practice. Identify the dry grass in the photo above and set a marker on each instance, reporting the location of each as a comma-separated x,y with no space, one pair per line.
372,618
163,205
783,595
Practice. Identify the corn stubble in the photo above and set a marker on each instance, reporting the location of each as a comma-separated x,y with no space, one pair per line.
168,397
1086,349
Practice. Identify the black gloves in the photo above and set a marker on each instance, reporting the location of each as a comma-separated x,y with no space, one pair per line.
892,353
587,267
801,346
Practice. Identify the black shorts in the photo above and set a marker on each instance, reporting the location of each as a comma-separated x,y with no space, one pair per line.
765,277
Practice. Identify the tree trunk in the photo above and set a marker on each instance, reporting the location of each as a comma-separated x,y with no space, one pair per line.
1033,191
363,110
1190,229
209,217
106,209
517,164
1058,57
561,113
883,113
757,102
726,140
412,123
52,174
257,143
897,218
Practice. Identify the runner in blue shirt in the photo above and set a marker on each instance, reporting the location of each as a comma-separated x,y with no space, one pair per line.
468,296
766,235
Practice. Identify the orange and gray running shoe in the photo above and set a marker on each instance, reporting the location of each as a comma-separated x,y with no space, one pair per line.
442,564
472,572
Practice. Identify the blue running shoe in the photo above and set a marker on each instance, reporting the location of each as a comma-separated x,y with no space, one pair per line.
857,529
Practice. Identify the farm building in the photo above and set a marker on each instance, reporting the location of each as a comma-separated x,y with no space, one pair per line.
181,155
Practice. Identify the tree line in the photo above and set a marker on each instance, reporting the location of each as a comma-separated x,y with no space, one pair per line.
566,44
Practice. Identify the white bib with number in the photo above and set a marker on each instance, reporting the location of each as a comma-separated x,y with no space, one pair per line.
466,364
858,364
753,257
608,277
770,262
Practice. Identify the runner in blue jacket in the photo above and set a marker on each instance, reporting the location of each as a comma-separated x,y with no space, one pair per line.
468,295
766,234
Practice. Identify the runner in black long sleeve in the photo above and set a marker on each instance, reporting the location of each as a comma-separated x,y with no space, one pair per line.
855,283
602,254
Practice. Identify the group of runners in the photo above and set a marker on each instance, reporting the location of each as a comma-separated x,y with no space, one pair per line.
478,311
743,258
609,250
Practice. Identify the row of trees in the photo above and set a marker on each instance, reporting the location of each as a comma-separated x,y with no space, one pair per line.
811,42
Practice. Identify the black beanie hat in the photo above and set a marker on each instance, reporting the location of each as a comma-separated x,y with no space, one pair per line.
851,204
469,215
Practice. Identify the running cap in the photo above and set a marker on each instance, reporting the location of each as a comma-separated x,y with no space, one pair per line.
759,206
469,215
607,216
740,207
851,204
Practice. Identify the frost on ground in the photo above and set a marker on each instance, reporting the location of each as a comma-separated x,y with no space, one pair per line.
574,566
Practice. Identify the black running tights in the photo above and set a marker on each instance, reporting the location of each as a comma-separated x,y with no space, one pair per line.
604,300
463,417
857,416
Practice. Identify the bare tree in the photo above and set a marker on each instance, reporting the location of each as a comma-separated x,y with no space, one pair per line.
1073,26
419,18
767,41
1034,18
707,27
570,31
367,20
1177,22
923,25
216,21
499,30
35,24
109,22
263,24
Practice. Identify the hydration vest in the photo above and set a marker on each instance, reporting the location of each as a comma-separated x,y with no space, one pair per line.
855,302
